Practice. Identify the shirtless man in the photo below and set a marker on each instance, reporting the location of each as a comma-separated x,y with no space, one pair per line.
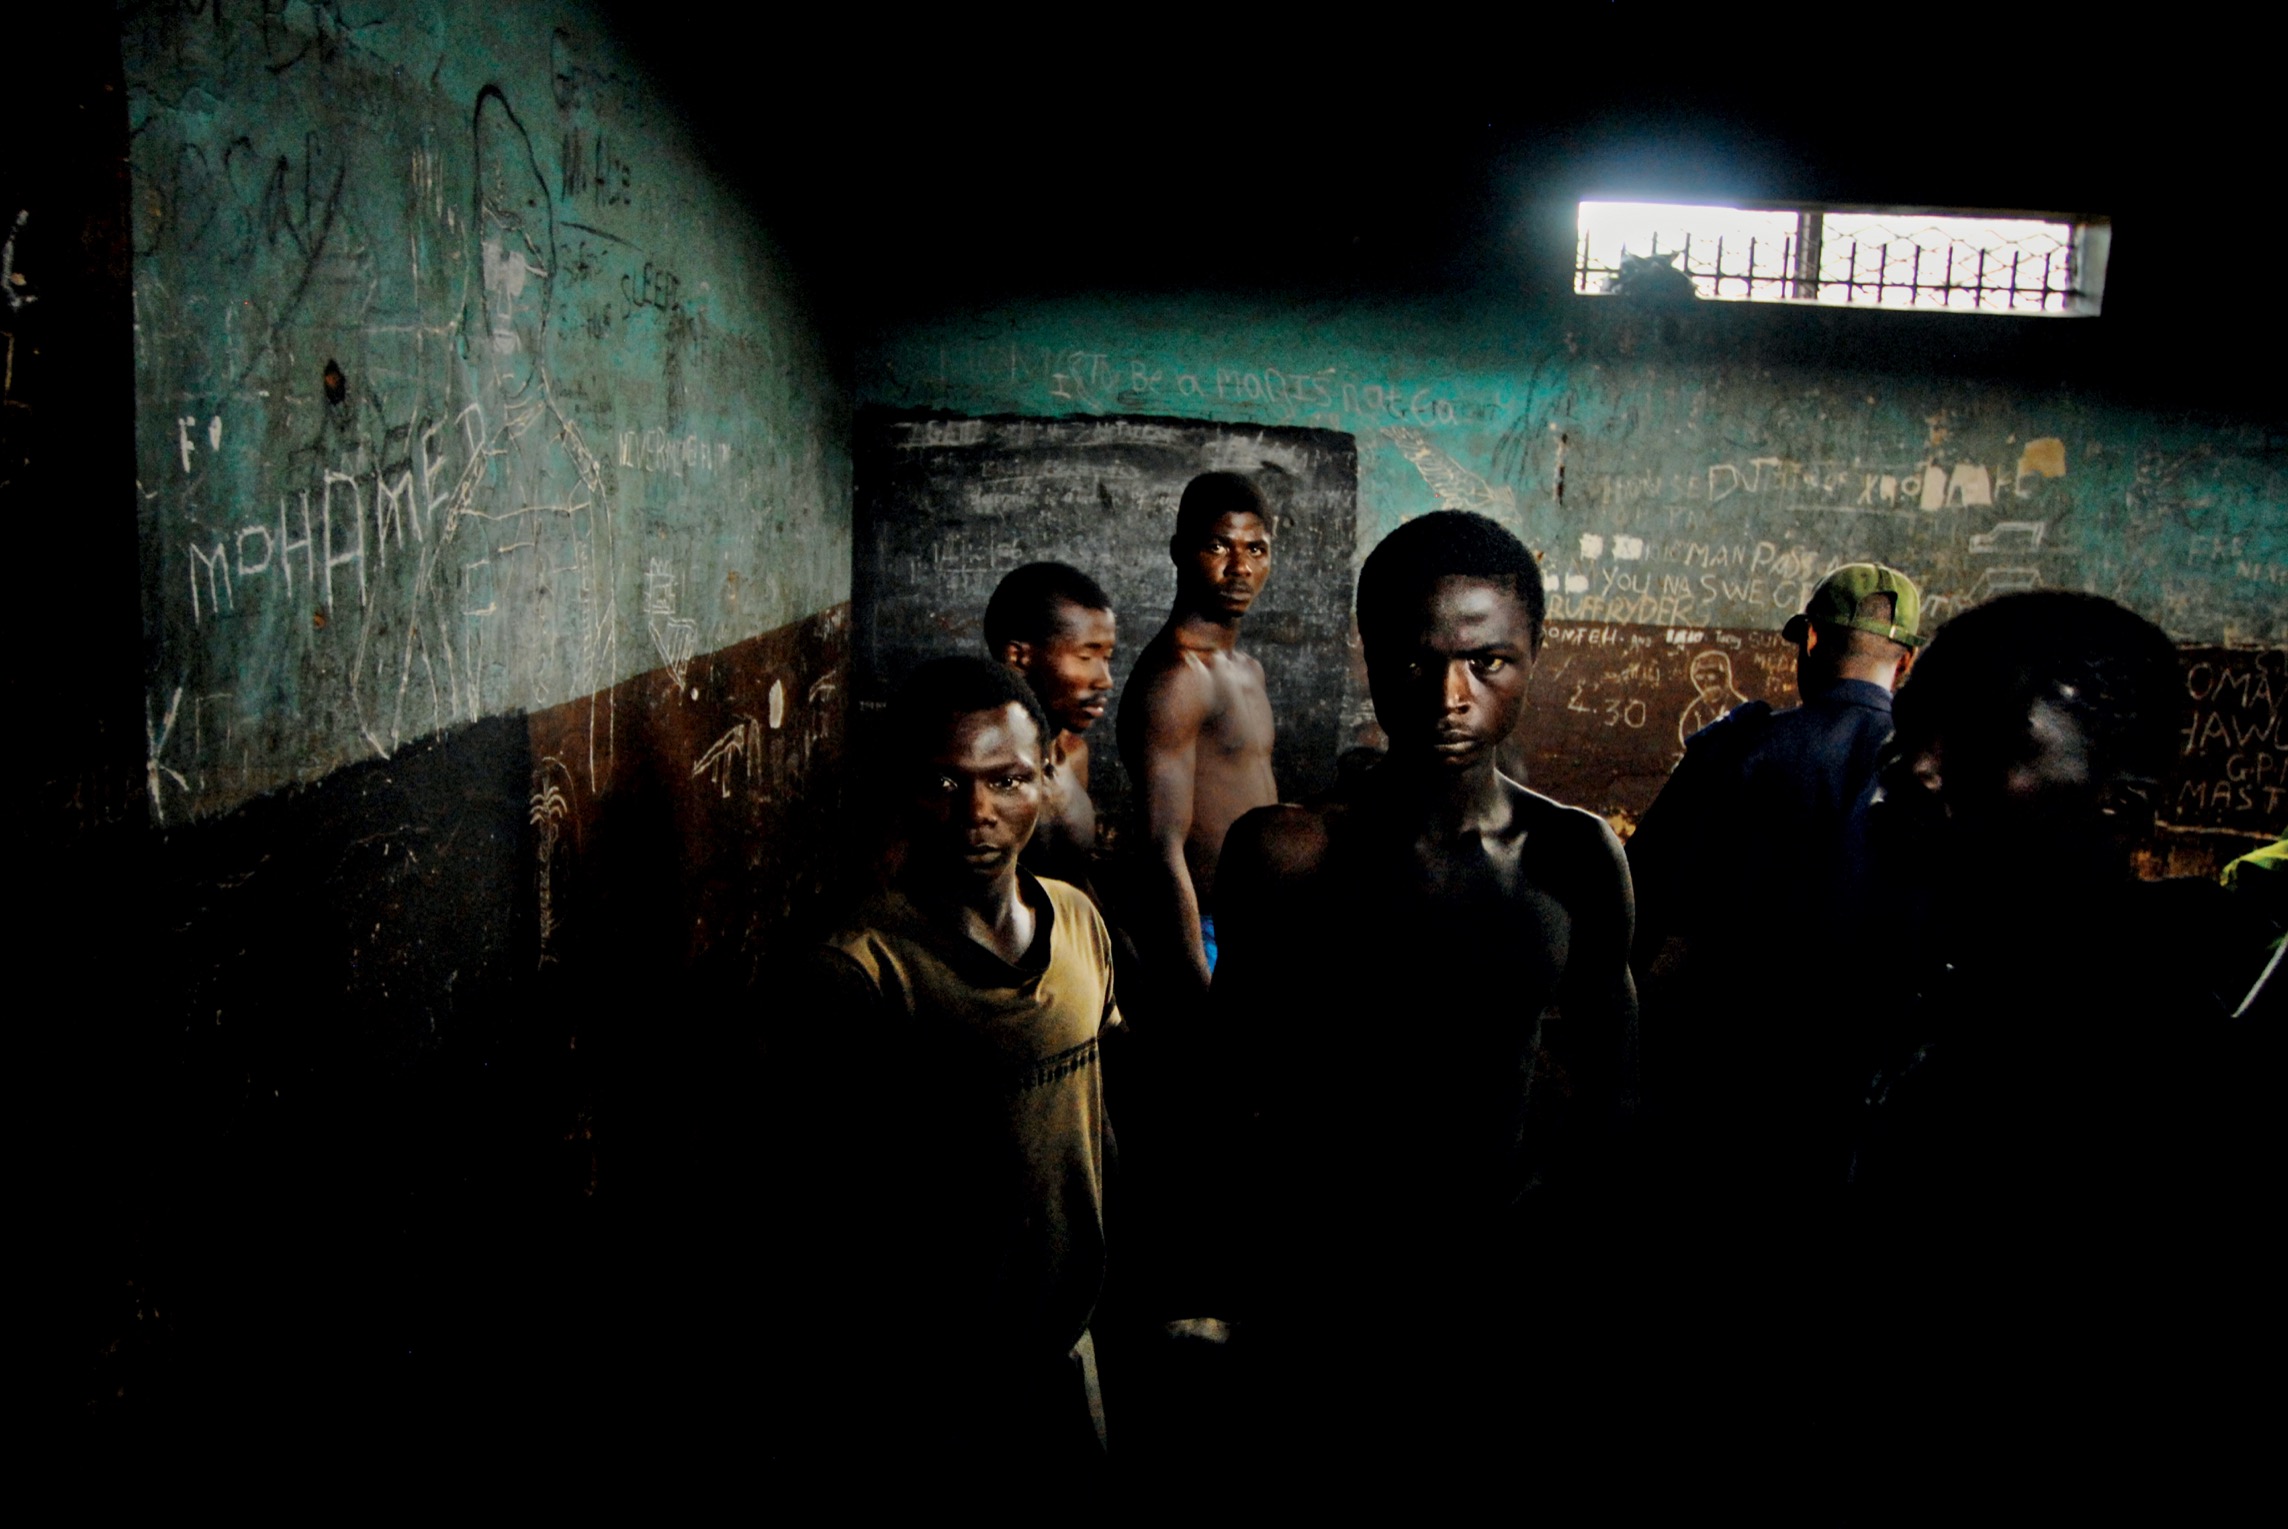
1053,625
1431,965
1195,726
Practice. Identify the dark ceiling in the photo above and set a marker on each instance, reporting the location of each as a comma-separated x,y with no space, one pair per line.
1408,153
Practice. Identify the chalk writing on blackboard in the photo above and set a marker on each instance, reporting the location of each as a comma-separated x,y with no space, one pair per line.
946,507
2234,760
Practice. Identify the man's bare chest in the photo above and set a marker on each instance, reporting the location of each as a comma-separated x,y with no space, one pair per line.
1240,723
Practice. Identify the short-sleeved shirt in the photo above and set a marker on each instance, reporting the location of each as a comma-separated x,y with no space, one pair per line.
973,1101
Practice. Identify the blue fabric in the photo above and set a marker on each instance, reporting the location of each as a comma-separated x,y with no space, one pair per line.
1737,866
1207,939
1755,814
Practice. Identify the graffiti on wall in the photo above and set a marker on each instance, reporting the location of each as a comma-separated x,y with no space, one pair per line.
441,414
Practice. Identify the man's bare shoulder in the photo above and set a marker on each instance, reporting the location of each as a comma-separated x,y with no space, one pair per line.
1281,843
1561,837
1163,704
1167,672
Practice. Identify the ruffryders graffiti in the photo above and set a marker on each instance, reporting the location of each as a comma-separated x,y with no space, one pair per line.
1548,420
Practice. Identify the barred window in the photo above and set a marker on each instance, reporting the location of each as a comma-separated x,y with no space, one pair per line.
1984,262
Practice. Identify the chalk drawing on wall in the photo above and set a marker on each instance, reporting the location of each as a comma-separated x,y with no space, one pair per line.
374,409
12,280
155,736
1456,487
2018,536
741,749
824,698
676,637
512,560
556,505
1713,693
2003,581
550,809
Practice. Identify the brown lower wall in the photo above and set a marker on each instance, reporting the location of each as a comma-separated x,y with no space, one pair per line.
1612,705
701,801
405,1090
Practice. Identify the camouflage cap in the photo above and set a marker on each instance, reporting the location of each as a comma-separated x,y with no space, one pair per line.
1837,600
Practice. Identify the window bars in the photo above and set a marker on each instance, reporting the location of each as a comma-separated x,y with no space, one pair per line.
2016,264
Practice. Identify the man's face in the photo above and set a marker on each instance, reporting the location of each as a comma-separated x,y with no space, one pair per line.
977,795
1072,671
1449,682
1711,675
1229,563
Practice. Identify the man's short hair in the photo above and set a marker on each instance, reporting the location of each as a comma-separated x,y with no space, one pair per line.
1211,496
2115,672
945,688
1024,604
1411,560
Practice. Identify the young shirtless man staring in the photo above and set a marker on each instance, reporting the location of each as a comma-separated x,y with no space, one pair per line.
1432,967
1195,727
1053,626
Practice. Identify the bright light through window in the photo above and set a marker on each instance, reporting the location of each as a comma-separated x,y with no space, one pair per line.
1835,256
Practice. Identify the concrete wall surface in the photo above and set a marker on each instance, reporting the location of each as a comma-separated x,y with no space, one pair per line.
1693,469
1688,475
417,852
462,387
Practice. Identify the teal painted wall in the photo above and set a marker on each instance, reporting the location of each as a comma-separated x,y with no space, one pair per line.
1692,471
464,387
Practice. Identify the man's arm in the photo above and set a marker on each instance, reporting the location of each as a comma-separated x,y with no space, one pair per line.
1176,707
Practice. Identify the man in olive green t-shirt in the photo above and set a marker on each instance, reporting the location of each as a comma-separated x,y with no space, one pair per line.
943,1094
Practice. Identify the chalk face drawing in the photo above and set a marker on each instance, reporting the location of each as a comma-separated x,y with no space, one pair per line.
1661,490
460,393
1713,693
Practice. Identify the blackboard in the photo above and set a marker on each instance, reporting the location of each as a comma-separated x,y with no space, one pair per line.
2234,776
946,506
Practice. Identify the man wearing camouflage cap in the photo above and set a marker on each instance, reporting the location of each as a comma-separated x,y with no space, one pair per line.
1752,1078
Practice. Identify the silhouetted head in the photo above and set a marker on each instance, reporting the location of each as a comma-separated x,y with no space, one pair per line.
1222,545
2040,725
1450,615
964,737
1054,625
